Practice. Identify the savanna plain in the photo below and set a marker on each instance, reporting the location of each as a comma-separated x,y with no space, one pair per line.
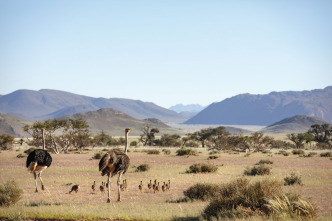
55,202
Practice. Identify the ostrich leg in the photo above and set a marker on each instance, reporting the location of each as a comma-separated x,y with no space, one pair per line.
119,180
109,188
42,184
35,175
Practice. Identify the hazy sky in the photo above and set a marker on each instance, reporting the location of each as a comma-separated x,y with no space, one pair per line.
166,52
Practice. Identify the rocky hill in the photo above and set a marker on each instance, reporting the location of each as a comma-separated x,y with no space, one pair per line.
295,124
13,125
113,122
248,109
49,104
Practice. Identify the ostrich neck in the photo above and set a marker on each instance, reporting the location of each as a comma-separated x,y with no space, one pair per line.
126,143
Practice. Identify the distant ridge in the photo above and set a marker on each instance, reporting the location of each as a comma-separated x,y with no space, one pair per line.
113,122
247,109
295,124
186,108
13,125
49,104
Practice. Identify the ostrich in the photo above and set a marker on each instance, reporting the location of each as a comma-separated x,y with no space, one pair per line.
115,162
37,161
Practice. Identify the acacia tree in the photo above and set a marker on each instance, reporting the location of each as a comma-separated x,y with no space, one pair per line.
321,133
73,133
218,139
258,141
297,139
147,137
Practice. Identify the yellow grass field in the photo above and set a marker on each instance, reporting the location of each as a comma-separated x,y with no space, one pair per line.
56,203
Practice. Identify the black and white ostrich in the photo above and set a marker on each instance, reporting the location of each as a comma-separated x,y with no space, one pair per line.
115,162
37,161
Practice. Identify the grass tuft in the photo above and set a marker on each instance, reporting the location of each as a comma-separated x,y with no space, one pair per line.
201,191
293,179
261,162
326,154
186,152
143,168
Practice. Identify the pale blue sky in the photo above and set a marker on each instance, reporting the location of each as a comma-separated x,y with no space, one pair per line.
166,52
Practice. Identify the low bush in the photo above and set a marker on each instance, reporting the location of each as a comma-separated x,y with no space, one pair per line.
98,156
28,151
214,152
213,157
166,151
202,168
133,144
326,154
186,152
153,152
298,152
264,162
143,168
201,191
257,170
293,179
21,155
10,193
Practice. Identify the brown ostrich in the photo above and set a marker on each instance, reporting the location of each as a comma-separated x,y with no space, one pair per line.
75,188
115,162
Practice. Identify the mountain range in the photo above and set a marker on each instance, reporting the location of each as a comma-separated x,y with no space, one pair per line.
248,109
50,104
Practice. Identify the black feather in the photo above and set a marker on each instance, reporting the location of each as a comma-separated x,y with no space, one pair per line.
42,157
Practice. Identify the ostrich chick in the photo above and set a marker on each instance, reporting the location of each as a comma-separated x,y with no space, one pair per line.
140,187
75,188
93,187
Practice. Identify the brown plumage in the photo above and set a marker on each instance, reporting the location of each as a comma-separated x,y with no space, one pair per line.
93,187
102,187
150,185
154,185
115,162
163,187
75,188
157,187
168,185
140,187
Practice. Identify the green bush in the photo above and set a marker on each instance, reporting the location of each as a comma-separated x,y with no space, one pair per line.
239,199
298,152
293,179
10,193
326,154
187,152
257,170
143,168
202,168
201,191
261,162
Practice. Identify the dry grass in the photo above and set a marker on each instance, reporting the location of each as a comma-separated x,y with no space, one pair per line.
55,202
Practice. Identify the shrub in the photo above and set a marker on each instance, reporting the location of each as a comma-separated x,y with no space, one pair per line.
214,152
293,179
133,144
6,141
261,162
201,191
166,151
257,170
98,156
298,152
188,152
28,151
213,157
326,154
21,155
153,152
202,168
239,199
143,168
10,193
